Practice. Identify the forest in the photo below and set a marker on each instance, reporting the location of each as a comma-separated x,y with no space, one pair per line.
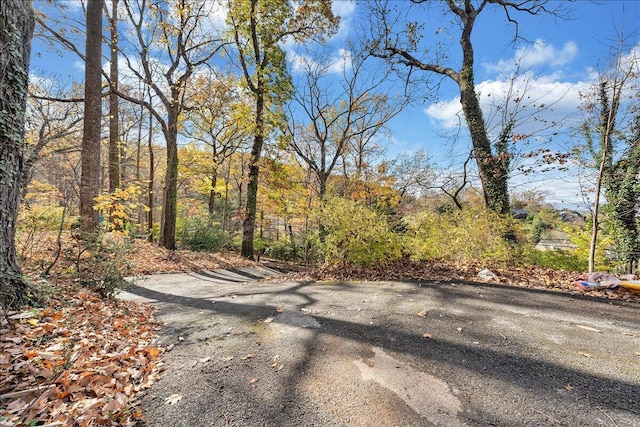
194,129
264,128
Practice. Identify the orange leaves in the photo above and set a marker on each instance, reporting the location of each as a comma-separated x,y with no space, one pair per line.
78,362
450,271
153,352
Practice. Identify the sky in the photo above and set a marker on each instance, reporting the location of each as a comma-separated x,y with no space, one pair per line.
558,59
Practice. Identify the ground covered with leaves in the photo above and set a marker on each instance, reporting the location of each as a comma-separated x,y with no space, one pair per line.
444,271
78,359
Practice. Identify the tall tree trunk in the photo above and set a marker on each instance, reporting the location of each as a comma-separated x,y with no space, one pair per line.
90,158
150,203
212,193
225,209
596,209
114,123
493,169
249,220
141,212
323,177
170,199
241,204
16,31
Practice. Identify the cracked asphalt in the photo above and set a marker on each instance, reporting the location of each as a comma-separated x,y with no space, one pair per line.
250,352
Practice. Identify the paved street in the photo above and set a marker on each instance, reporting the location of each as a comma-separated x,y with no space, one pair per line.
248,353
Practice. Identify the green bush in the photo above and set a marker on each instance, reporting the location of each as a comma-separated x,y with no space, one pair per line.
199,234
355,234
557,260
101,263
282,250
580,236
469,234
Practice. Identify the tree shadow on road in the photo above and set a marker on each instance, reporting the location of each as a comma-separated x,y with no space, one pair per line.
542,379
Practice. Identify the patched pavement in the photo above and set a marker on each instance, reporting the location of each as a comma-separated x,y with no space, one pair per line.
258,353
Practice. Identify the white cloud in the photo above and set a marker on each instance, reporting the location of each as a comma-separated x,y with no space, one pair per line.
78,65
341,62
568,188
536,99
539,54
542,53
345,9
447,114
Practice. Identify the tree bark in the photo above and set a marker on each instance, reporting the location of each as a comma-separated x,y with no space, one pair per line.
16,31
170,200
493,169
249,220
114,123
150,195
90,157
212,193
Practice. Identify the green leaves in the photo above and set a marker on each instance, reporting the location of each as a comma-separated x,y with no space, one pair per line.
357,235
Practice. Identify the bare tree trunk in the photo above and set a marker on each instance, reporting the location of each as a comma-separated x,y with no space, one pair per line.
114,123
249,219
16,30
170,199
150,194
607,125
90,176
212,193
225,213
141,212
596,208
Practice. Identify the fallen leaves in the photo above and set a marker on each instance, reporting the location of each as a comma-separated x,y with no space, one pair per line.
440,272
144,258
80,361
173,399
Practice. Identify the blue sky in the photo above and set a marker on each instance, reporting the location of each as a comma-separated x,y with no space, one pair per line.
559,58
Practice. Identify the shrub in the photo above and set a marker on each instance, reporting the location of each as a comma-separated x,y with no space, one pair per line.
101,262
539,225
469,234
355,234
119,208
199,234
580,236
282,250
557,260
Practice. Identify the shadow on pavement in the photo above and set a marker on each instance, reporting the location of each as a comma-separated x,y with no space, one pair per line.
542,378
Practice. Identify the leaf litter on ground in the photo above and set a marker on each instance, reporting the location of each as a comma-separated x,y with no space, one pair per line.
82,363
80,360
451,272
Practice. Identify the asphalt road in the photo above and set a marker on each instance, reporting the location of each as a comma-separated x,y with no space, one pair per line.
248,353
